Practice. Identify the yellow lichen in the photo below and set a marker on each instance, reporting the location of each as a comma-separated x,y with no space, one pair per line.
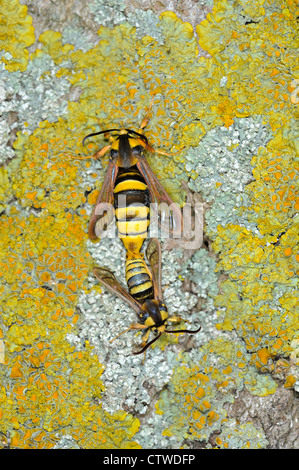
16,34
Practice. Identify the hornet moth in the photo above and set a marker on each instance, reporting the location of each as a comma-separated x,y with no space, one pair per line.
151,311
129,188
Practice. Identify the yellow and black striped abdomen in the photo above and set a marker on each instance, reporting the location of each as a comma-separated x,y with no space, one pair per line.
138,279
131,202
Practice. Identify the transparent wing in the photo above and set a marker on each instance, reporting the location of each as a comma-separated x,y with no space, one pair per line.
103,211
168,213
153,254
106,277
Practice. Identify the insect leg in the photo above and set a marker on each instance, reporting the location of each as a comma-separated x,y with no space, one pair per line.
146,119
177,319
100,153
152,150
134,326
145,338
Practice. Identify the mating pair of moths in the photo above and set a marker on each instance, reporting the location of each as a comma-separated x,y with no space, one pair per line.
131,186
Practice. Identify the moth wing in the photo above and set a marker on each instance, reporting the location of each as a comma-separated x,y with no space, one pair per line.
167,212
103,211
106,277
153,254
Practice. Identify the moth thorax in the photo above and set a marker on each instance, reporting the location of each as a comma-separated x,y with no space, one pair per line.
126,161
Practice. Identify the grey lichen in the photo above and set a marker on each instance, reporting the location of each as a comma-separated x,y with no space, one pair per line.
66,442
200,270
221,168
76,35
29,97
243,436
146,24
108,12
113,12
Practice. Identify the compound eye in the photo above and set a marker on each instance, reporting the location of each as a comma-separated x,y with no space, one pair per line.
142,316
